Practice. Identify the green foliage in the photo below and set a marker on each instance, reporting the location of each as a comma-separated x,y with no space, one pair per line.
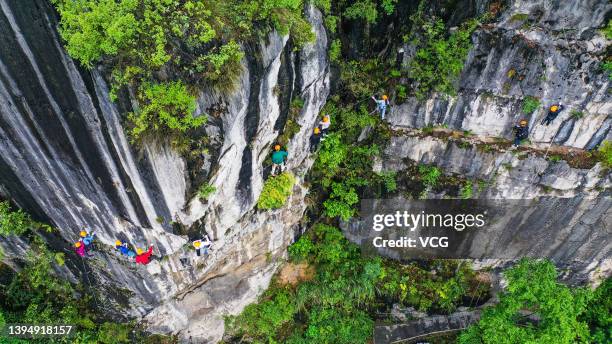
557,306
466,190
265,319
599,313
13,222
276,190
429,175
335,50
113,333
362,9
530,104
607,31
439,58
341,201
334,306
206,190
221,66
605,154
96,28
368,11
607,67
576,114
331,23
166,108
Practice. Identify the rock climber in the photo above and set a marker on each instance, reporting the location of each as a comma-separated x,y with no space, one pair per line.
324,124
79,248
381,105
279,157
315,139
123,248
202,244
144,257
521,132
87,239
553,112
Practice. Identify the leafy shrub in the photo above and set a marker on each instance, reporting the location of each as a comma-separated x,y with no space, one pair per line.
605,154
598,312
439,58
429,175
466,190
530,104
341,201
206,190
165,108
557,307
13,222
276,190
335,50
607,67
362,9
301,249
221,66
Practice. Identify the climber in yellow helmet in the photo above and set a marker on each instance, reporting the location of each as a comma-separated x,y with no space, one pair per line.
279,158
324,124
381,105
521,132
87,239
553,112
315,139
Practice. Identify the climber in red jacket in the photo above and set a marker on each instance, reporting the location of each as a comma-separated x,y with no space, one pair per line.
144,257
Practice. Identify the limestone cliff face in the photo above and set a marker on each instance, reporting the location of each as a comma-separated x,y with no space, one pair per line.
66,159
551,50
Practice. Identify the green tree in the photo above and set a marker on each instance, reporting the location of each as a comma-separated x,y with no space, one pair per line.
165,108
13,222
532,290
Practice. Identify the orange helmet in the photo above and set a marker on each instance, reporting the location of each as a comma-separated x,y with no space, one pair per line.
523,123
77,244
277,148
554,108
385,97
317,130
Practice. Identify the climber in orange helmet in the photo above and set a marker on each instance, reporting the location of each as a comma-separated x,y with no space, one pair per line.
381,105
279,157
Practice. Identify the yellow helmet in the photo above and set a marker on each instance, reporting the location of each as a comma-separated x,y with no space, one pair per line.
554,108
197,244
385,97
317,130
326,119
77,244
139,251
277,148
118,243
83,234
